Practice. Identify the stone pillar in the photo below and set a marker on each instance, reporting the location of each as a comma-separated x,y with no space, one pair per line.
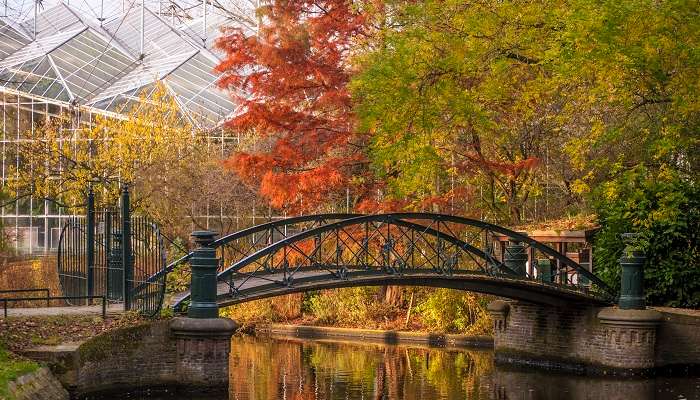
203,348
629,338
203,340
499,313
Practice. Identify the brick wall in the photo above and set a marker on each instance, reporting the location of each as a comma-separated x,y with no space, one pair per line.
37,385
570,338
141,356
678,338
203,362
151,356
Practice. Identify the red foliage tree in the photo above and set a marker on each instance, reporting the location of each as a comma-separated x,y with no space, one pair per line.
291,83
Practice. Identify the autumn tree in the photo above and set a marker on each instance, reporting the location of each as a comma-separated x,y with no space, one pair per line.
604,94
291,83
640,161
64,158
454,97
152,147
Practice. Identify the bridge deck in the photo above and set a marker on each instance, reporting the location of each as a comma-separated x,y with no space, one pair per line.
246,288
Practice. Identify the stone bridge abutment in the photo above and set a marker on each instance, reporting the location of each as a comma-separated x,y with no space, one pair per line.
627,339
580,337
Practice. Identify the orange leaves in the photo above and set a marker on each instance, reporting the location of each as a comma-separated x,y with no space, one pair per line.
290,82
511,169
291,191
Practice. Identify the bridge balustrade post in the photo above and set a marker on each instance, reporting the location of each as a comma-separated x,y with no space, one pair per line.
632,282
515,257
203,339
544,270
203,287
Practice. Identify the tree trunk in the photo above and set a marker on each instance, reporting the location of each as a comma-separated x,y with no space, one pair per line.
391,295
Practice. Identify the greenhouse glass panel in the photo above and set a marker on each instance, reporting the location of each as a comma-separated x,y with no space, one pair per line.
146,73
160,40
54,20
195,84
22,77
11,39
38,48
87,64
45,77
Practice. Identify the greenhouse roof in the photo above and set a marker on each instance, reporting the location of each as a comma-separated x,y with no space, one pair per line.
88,53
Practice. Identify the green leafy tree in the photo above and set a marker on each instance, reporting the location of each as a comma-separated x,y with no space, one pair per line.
479,94
665,211
459,98
637,63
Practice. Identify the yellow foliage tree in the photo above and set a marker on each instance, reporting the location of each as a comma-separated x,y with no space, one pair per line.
61,160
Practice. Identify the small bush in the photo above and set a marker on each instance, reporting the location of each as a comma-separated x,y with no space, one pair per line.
448,310
348,307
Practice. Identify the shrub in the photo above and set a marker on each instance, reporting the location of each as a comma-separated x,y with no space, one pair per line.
449,310
664,209
351,306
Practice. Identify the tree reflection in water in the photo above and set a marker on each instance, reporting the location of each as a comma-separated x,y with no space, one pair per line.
296,369
303,369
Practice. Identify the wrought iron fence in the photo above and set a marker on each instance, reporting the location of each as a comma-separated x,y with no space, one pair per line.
113,254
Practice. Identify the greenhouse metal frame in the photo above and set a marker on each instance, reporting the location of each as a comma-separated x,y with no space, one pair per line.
92,57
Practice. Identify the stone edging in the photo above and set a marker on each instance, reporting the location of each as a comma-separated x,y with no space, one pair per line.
376,336
37,385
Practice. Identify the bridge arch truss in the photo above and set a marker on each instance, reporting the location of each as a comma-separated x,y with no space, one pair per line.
423,249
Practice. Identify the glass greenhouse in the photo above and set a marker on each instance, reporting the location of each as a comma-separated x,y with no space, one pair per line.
82,58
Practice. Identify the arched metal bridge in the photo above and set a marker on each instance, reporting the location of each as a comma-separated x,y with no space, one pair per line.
418,249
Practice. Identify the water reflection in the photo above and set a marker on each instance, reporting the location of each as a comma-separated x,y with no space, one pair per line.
298,369
263,369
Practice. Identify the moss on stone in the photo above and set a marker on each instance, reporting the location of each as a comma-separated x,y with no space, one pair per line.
119,341
11,368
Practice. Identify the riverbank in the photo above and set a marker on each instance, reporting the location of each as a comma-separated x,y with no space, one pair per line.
23,376
11,368
375,336
391,308
21,333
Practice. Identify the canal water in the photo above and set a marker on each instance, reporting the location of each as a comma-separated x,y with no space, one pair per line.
297,369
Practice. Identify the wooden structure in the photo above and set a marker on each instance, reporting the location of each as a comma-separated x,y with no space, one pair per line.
575,244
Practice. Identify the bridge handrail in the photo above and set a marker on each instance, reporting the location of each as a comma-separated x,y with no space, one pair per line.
399,219
418,227
394,217
251,230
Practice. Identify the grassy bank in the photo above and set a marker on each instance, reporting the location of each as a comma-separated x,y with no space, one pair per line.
12,367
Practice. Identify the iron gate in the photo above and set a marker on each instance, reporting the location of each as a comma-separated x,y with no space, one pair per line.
148,259
96,258
72,259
